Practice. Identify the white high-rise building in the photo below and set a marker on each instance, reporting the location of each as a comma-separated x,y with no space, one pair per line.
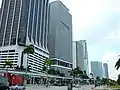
80,55
24,22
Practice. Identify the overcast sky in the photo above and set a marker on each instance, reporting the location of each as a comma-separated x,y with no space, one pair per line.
98,22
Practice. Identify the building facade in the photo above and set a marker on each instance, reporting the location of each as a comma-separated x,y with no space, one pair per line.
85,54
96,68
105,68
60,37
78,55
24,22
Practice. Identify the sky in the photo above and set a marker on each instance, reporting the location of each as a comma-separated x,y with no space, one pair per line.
98,22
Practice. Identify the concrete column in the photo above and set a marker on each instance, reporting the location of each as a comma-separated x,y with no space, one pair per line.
41,80
33,80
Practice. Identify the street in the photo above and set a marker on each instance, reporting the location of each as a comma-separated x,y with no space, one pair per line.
55,88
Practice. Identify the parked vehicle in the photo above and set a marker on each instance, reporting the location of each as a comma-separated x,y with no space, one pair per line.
77,86
3,87
16,79
17,87
58,84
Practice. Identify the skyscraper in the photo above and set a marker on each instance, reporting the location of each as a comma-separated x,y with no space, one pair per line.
78,55
24,22
105,67
85,54
96,68
60,37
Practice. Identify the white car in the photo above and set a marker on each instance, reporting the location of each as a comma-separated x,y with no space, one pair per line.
77,86
17,87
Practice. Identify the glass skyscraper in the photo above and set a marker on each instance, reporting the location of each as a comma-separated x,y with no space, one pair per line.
85,55
96,68
78,55
24,22
60,37
105,68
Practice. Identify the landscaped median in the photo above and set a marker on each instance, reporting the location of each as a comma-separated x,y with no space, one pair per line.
115,87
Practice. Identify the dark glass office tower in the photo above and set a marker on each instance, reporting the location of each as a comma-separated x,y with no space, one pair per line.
24,18
24,22
60,37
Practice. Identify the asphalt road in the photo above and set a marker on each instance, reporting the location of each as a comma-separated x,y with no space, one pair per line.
56,88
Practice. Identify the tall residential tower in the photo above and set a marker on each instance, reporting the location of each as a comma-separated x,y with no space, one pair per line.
24,22
60,37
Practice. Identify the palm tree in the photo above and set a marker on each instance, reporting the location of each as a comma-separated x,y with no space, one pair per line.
57,72
47,65
76,72
73,73
8,63
29,49
97,78
79,72
117,65
84,75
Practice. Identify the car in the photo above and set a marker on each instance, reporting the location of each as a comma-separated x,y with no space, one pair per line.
4,86
17,87
77,86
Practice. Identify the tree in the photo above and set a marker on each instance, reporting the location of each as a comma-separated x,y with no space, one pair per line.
77,72
104,81
52,72
57,72
20,68
48,63
8,63
84,75
117,65
98,78
47,66
29,49
118,80
72,73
